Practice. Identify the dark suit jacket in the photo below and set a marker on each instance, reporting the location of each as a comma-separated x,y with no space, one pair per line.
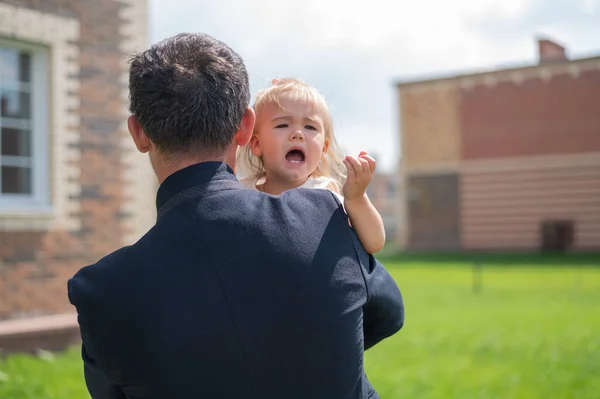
235,294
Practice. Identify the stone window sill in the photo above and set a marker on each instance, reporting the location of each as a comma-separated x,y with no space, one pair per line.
26,219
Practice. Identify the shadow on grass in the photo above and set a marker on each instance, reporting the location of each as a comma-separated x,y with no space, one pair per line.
392,257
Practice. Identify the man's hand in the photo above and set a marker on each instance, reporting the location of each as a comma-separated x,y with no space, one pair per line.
360,173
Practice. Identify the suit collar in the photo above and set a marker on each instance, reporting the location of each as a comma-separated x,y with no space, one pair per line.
192,176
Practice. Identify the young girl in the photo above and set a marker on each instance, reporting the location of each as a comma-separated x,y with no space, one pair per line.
293,146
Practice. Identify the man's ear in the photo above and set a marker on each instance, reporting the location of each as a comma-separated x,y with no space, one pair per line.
244,133
142,142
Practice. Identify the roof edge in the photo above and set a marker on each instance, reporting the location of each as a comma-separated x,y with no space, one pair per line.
559,63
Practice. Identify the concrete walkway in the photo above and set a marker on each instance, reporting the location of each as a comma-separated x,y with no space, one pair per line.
55,332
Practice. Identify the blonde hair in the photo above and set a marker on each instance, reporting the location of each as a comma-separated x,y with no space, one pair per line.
331,164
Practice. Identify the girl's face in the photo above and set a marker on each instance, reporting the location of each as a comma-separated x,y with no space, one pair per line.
290,139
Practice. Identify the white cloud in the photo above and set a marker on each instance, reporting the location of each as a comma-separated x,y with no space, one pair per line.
590,6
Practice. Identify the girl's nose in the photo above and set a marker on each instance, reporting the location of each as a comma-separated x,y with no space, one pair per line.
297,135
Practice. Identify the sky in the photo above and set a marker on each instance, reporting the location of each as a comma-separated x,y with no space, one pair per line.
354,52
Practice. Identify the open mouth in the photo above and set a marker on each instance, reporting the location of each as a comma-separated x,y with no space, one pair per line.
295,155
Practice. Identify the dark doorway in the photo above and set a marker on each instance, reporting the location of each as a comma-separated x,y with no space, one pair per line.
434,213
557,235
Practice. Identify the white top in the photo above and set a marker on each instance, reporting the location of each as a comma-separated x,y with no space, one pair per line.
321,182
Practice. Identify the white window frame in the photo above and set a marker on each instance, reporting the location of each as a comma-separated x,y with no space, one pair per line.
38,202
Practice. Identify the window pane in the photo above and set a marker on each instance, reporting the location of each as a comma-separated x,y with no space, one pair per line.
25,67
16,180
15,66
15,136
15,142
9,63
15,104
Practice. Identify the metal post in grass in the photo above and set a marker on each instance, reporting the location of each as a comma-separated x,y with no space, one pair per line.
477,278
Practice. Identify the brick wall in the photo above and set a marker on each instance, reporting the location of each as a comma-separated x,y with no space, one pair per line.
87,136
558,115
430,125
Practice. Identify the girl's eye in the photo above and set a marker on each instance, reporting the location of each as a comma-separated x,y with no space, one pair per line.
309,127
282,126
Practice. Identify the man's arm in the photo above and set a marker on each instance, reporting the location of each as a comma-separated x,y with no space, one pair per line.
98,383
383,313
384,310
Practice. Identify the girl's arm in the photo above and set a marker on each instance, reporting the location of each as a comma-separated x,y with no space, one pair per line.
367,223
365,219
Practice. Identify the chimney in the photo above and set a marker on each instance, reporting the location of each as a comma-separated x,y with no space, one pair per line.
550,51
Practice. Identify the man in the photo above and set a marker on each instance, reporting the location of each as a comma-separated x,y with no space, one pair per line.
233,293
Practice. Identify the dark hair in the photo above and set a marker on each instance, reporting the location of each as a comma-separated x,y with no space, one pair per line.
189,93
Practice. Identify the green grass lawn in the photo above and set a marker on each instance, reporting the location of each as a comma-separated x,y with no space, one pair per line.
532,331
43,377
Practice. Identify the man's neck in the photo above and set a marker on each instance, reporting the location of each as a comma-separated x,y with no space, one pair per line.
168,168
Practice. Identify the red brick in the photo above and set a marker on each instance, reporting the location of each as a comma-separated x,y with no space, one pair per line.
537,117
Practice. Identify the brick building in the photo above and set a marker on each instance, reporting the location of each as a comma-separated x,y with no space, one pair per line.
72,185
503,160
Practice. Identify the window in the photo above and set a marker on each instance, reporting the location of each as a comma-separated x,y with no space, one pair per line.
23,128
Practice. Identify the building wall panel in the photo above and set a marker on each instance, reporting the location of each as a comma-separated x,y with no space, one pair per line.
505,209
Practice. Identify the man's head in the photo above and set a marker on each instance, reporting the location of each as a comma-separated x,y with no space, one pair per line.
189,102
